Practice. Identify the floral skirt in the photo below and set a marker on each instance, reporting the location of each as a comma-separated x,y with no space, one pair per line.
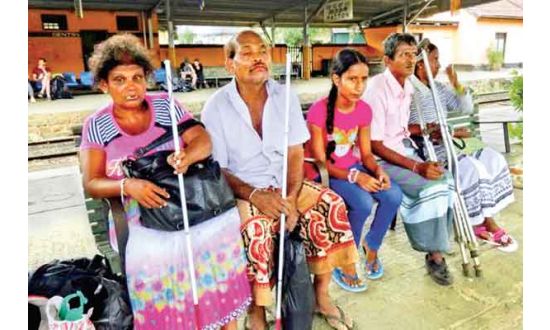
328,239
158,274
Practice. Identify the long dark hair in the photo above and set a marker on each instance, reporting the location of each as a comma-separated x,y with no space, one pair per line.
341,62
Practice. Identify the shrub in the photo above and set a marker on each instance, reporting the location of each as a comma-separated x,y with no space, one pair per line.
516,97
516,91
495,58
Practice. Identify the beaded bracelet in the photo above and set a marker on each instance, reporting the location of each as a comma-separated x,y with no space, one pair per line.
352,175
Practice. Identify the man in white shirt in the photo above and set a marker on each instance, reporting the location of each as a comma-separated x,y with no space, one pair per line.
245,120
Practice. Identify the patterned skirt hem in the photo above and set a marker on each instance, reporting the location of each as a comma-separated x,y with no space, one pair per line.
232,316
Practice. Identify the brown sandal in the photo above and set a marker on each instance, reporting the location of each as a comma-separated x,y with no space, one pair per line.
336,322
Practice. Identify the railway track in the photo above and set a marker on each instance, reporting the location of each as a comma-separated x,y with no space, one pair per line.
67,146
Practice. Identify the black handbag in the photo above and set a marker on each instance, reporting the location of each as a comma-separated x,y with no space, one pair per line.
206,190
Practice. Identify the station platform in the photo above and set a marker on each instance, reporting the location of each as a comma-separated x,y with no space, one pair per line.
405,298
50,119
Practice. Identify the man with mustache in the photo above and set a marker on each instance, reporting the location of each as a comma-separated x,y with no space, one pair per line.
245,120
426,208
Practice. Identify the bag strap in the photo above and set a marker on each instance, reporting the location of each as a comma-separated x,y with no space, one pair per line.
459,143
167,136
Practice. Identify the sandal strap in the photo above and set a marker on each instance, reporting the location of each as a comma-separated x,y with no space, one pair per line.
343,317
349,277
370,265
501,236
480,230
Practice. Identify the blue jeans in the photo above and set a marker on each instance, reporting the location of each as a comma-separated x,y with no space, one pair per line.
360,202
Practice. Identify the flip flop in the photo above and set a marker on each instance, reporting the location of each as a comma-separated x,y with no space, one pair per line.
497,239
371,273
338,276
340,320
501,236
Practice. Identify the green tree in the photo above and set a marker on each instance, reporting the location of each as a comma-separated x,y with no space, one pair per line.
516,97
186,37
294,36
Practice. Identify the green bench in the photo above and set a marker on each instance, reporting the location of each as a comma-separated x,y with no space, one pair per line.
213,75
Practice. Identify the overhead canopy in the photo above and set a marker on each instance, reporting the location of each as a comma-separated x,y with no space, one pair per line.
281,13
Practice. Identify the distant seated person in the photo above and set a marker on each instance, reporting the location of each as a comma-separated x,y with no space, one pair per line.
41,75
31,92
186,70
201,83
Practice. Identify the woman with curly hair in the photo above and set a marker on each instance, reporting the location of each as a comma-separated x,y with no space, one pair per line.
156,262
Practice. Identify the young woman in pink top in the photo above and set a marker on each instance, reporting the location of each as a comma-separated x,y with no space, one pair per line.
340,137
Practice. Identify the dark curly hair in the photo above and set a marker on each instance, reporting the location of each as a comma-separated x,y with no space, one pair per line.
342,61
119,49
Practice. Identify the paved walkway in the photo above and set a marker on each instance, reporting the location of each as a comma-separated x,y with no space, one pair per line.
406,298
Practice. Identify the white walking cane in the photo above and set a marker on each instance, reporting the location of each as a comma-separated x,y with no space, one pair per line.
175,134
283,195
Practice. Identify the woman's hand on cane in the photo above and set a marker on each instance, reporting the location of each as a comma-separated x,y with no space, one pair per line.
179,162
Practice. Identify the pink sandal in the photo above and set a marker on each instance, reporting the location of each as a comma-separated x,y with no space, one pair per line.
501,237
498,239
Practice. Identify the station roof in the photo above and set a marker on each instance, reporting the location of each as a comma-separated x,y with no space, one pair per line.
281,13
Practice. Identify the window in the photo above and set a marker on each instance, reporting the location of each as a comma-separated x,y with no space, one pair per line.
500,42
127,23
54,22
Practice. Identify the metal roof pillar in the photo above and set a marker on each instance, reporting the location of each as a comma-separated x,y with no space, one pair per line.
405,14
306,48
171,48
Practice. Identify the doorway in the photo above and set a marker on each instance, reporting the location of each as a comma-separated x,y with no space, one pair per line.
89,39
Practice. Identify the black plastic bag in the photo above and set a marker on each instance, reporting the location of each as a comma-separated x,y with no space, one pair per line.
297,297
105,291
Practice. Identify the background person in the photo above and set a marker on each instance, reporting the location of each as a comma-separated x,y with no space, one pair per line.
41,75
